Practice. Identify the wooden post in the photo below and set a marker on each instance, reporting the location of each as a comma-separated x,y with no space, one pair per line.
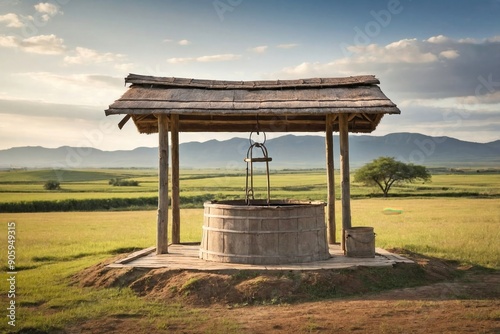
162,225
330,172
176,215
344,174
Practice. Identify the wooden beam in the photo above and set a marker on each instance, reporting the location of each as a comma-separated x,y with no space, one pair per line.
330,172
344,174
162,224
176,215
124,121
368,118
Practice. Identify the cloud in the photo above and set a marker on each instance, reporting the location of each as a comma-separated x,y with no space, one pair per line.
41,44
12,20
403,51
47,10
475,125
259,49
183,42
78,89
449,54
44,12
75,79
221,57
439,39
46,110
287,46
180,60
125,67
9,41
435,68
88,56
205,59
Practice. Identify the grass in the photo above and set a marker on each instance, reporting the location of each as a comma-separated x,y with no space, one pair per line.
54,246
17,186
466,230
51,247
460,229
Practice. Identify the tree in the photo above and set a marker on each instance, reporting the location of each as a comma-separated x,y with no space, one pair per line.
52,185
386,171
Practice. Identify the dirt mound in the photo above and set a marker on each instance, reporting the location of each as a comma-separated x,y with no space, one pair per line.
102,276
266,287
435,269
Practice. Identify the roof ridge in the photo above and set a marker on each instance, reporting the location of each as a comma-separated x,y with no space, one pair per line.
361,80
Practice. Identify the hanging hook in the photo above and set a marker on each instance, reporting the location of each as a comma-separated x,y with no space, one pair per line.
250,159
252,142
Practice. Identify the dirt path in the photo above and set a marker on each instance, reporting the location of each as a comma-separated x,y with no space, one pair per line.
462,307
470,305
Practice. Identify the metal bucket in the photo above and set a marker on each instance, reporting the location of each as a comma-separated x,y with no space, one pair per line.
278,233
359,242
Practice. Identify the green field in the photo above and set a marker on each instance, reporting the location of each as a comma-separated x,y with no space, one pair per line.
17,186
53,246
455,217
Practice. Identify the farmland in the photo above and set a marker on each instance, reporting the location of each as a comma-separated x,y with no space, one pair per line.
456,217
18,186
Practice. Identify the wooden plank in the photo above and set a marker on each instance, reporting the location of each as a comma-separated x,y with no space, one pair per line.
220,106
234,127
137,255
162,224
123,121
176,215
140,109
344,174
186,257
330,172
271,84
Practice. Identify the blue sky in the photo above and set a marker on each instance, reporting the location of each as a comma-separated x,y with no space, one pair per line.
63,61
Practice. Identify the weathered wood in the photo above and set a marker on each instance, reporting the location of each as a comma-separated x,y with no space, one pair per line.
360,242
283,232
330,172
262,84
318,95
186,257
123,121
232,125
162,224
176,215
309,98
221,107
137,255
344,174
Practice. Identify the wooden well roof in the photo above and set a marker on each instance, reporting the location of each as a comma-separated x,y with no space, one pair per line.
243,106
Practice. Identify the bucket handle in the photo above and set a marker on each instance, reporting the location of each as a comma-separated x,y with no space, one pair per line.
361,242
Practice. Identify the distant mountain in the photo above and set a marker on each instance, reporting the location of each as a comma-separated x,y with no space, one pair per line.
288,151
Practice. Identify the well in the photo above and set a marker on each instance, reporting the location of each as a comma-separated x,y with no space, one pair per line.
280,232
360,242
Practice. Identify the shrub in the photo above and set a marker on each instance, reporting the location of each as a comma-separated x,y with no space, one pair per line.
123,183
52,185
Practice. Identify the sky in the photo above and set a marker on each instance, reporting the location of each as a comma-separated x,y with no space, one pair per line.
63,62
